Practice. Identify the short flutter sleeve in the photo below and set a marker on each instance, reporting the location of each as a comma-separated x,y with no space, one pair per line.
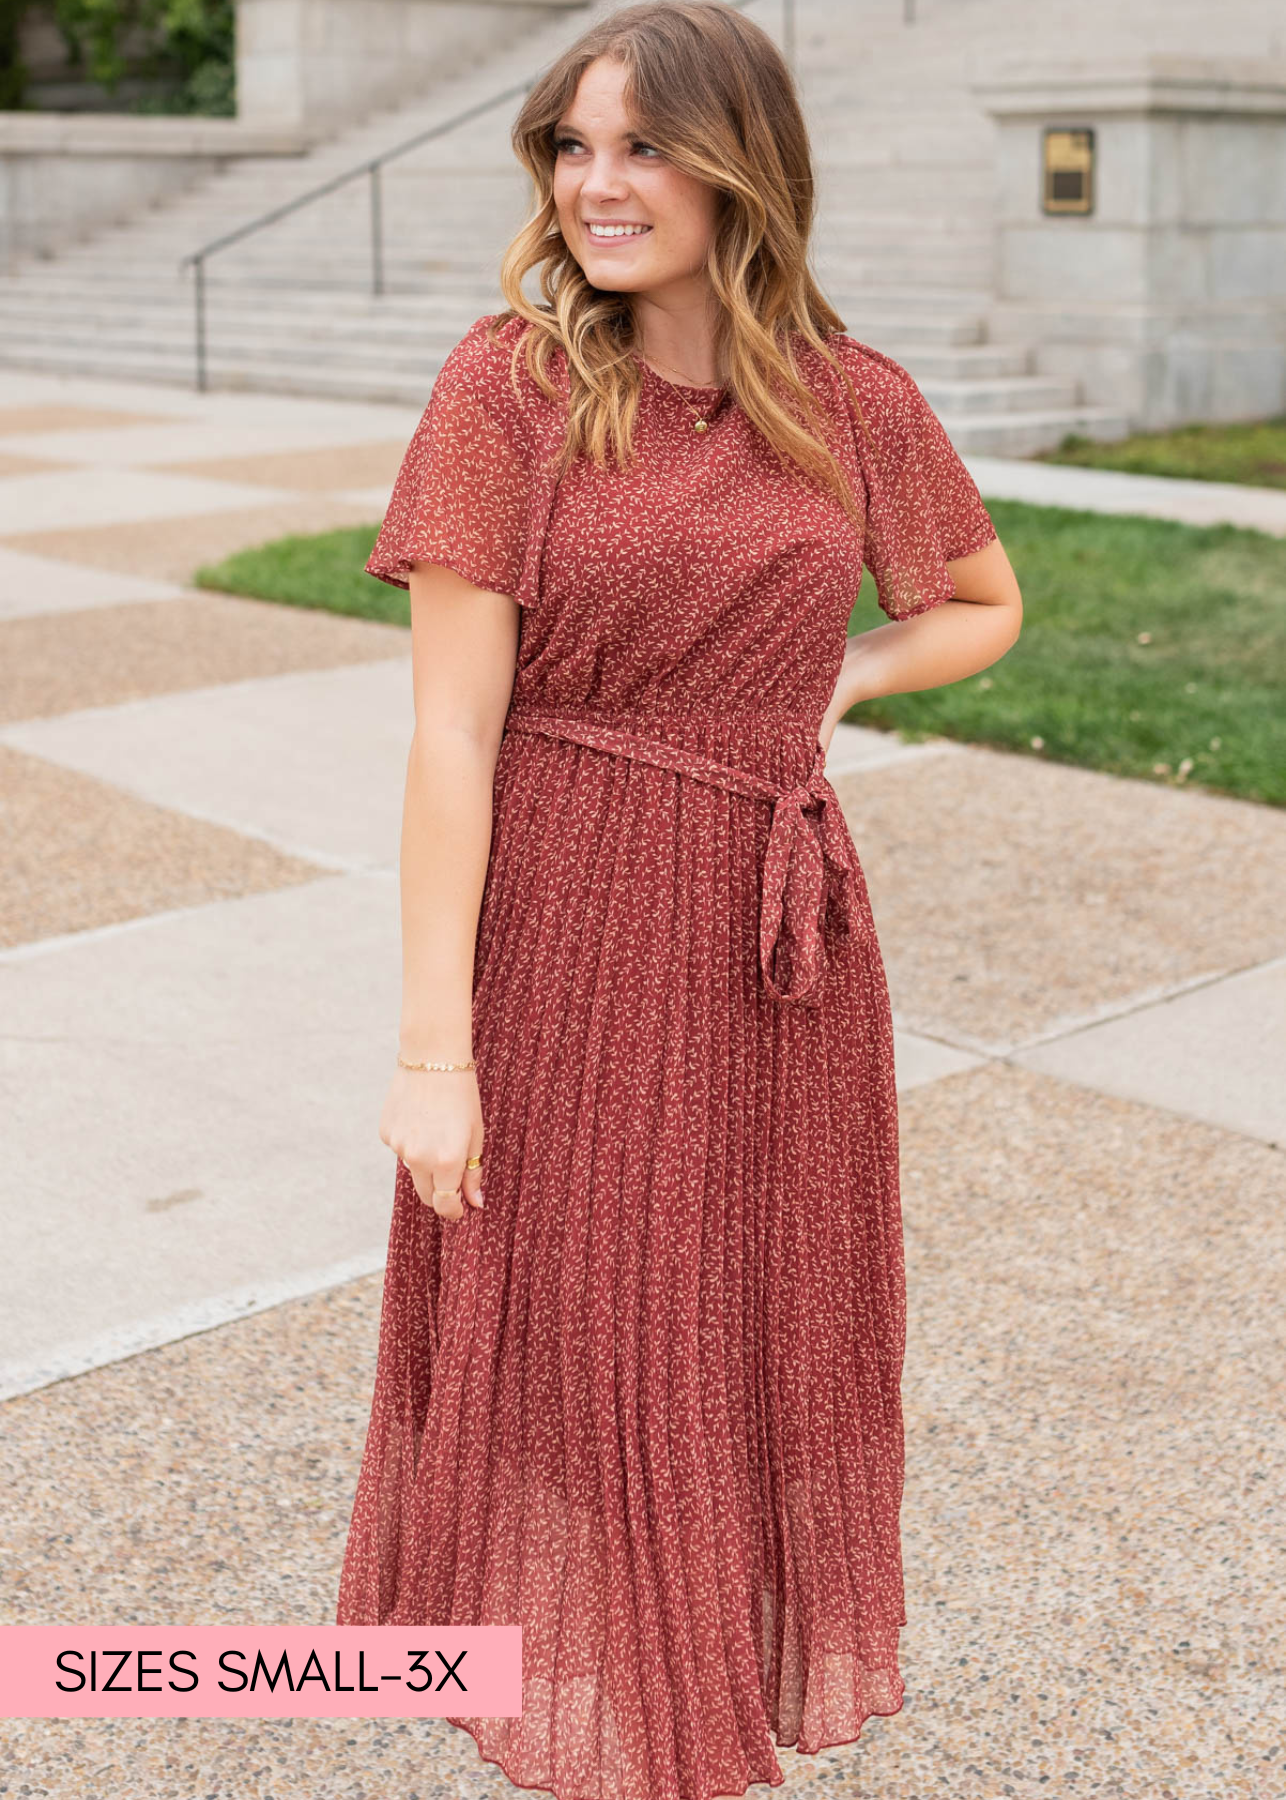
923,508
461,494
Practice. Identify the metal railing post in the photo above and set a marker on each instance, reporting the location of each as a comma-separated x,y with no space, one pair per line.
377,233
200,324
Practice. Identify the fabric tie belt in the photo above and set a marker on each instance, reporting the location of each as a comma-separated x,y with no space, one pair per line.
801,866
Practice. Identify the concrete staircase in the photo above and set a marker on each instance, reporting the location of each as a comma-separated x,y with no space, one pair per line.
903,246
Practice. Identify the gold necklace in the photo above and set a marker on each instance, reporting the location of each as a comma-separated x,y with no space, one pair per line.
699,421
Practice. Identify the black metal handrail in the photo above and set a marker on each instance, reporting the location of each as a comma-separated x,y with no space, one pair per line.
372,168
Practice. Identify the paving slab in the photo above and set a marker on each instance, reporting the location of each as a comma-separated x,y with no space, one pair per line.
1215,1052
30,503
172,549
59,664
313,763
203,439
192,1106
373,499
1019,899
31,585
1089,1526
319,468
12,466
46,417
81,855
93,402
1115,491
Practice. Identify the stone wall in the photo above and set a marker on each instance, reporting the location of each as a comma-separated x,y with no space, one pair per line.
1169,298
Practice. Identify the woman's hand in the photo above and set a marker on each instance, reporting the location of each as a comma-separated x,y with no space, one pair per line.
432,1120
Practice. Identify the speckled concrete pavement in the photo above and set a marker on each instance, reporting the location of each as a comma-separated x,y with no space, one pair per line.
198,983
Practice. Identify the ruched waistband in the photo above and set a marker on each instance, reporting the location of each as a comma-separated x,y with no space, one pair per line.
807,875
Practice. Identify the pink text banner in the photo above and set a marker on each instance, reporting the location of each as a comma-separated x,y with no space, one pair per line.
260,1672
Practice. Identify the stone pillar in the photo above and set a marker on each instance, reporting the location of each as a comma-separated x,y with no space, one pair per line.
1169,298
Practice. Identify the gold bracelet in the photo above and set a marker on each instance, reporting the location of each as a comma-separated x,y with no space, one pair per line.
403,1064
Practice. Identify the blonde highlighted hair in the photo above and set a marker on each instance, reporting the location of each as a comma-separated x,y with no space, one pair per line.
709,89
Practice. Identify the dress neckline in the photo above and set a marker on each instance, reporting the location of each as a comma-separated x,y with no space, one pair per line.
687,387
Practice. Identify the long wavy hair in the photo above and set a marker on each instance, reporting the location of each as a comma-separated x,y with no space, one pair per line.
710,90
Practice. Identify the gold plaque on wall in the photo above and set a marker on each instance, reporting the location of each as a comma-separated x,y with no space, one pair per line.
1068,170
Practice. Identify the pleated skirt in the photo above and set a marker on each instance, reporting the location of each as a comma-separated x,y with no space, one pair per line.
646,1404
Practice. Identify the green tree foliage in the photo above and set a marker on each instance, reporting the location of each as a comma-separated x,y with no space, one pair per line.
186,45
13,71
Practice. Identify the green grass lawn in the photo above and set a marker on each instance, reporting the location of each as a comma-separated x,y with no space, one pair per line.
1254,454
1149,648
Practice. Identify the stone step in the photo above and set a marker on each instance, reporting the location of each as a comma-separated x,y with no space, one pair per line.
846,271
982,398
1028,433
944,330
971,362
173,343
58,291
316,229
405,386
300,309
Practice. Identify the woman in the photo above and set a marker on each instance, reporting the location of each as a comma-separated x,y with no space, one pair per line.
643,1399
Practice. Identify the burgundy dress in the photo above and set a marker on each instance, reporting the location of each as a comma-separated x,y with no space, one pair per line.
647,1404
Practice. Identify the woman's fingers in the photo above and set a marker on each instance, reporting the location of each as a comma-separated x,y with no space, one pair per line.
447,1203
449,1187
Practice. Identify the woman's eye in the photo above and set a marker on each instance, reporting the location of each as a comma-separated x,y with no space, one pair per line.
570,143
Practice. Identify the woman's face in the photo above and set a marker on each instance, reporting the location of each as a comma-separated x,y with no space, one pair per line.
603,171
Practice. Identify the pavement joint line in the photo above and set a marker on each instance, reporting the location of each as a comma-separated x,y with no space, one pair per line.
1143,1001
1003,1050
69,940
196,1317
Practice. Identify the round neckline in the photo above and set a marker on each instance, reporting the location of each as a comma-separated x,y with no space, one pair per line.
687,387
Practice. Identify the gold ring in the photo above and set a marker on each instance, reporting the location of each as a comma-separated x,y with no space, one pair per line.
474,1162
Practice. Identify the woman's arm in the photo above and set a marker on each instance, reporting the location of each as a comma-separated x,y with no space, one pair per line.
936,647
463,653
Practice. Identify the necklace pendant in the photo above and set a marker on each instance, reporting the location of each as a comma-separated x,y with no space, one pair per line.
701,425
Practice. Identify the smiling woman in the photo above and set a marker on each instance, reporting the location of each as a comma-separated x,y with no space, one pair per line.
645,1402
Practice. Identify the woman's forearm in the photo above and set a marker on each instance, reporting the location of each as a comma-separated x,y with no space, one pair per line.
944,644
446,844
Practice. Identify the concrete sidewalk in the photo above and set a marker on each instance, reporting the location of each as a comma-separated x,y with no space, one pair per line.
199,992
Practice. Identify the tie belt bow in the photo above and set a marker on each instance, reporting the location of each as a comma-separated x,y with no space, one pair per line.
808,861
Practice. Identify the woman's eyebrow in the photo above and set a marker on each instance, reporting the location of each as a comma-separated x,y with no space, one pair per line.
575,131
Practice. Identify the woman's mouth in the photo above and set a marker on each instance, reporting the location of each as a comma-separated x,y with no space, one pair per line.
616,234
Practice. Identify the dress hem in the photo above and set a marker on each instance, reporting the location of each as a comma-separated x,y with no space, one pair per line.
779,1780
